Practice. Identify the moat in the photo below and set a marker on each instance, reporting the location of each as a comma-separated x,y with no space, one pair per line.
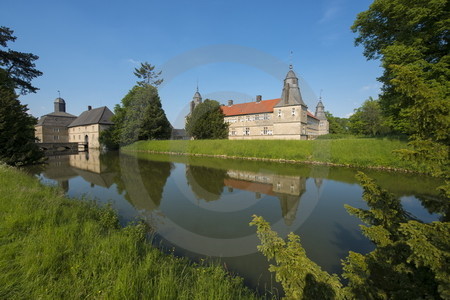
201,207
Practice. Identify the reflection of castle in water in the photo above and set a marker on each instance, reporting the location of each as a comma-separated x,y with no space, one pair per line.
88,165
288,189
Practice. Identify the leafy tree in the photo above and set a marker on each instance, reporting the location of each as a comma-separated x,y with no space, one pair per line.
148,76
17,141
140,117
207,121
337,125
368,119
18,66
411,259
411,37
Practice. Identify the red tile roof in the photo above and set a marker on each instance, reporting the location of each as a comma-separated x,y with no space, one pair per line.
311,115
256,187
265,106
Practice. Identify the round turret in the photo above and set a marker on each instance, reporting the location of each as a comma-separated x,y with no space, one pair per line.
60,105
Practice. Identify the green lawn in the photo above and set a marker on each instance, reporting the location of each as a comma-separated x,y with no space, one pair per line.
358,152
52,247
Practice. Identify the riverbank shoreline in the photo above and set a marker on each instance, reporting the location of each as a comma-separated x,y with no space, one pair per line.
374,154
56,247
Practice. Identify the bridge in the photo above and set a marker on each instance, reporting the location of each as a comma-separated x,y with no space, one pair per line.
62,148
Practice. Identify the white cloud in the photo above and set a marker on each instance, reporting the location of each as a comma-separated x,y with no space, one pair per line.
349,115
330,12
133,62
370,87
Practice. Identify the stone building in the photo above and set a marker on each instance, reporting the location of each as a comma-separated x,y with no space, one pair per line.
61,127
52,127
87,127
283,118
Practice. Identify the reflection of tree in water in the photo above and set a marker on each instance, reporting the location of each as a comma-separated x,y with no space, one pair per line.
436,205
154,175
143,181
206,183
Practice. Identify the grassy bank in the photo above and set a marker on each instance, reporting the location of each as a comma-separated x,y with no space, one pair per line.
358,152
52,247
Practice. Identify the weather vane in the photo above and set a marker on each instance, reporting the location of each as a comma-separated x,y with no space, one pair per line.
59,94
290,59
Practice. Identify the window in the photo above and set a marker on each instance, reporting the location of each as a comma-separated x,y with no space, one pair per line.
93,127
293,112
74,137
266,116
56,137
247,131
233,132
247,118
55,129
265,130
279,113
256,117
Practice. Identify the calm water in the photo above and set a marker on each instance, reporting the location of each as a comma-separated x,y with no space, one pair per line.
201,207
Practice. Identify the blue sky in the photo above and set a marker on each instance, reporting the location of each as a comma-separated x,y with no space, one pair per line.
235,49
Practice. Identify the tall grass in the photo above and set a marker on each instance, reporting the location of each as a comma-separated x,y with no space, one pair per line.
358,152
52,247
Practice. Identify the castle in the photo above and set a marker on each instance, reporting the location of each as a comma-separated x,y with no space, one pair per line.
61,127
284,118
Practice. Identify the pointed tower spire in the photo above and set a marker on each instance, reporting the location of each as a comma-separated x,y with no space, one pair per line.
291,91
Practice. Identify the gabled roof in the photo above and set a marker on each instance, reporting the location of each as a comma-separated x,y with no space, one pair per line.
265,106
101,115
56,119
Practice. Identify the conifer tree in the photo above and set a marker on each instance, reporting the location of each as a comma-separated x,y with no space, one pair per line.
17,141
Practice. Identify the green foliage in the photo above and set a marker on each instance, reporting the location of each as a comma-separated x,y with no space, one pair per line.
411,38
52,247
17,141
140,117
19,67
368,119
148,76
337,125
411,259
300,277
207,121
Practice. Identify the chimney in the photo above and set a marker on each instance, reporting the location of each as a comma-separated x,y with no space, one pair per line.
230,102
258,98
89,107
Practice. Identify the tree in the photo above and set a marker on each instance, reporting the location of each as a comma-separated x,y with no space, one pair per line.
140,117
17,141
368,119
411,37
18,66
148,76
207,121
337,125
411,259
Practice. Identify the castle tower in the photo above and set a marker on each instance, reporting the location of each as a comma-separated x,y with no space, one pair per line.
290,110
60,105
291,91
320,114
320,110
196,100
